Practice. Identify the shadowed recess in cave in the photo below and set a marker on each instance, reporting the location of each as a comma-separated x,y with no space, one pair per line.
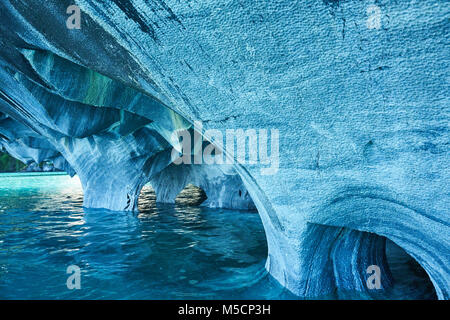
408,276
342,260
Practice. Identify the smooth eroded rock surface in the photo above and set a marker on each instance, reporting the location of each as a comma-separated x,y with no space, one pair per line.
362,110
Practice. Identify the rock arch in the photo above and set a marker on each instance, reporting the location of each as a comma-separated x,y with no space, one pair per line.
363,122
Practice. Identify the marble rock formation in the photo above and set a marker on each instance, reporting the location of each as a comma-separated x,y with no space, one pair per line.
361,102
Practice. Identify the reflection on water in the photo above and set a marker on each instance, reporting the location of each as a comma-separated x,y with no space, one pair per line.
162,252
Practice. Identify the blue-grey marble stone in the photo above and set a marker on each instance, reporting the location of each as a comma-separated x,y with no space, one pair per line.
363,115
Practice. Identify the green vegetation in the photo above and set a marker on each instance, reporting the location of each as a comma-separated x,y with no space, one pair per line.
9,164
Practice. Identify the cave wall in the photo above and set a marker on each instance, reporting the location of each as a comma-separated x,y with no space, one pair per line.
362,111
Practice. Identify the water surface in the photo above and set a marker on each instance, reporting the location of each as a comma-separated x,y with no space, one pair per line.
162,252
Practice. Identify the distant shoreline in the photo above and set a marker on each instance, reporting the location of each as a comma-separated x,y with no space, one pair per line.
31,174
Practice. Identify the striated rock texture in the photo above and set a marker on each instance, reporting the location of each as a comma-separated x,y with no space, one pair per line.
362,108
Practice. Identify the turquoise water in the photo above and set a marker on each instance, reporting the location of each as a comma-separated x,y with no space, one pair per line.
162,252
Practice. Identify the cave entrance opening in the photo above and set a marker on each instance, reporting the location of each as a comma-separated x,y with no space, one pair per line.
147,198
409,277
191,195
364,265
